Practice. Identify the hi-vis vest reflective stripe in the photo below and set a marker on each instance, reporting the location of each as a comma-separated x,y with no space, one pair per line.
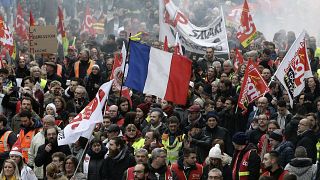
76,68
318,150
98,27
59,70
4,142
243,169
25,140
172,150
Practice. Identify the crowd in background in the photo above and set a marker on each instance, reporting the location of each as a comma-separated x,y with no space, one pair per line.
145,137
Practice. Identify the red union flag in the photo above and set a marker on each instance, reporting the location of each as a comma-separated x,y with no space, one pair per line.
247,30
20,26
83,124
253,86
87,22
238,60
6,38
295,68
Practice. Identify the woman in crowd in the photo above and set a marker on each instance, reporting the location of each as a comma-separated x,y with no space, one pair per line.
70,165
10,170
133,137
142,113
62,114
93,81
53,173
24,170
94,159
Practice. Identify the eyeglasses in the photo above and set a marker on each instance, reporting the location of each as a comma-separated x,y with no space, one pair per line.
138,172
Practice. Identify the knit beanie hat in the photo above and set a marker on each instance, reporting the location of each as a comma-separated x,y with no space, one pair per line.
215,152
276,135
51,105
145,107
240,138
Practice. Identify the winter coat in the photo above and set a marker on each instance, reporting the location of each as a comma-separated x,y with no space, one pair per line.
113,167
95,163
308,140
303,168
220,133
202,144
161,172
286,152
27,173
43,158
90,82
253,163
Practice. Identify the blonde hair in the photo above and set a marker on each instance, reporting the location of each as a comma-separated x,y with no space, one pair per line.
53,172
16,173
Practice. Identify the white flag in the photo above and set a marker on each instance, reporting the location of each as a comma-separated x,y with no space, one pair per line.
295,68
193,38
84,123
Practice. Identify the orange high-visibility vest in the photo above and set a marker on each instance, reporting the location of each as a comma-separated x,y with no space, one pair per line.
25,140
4,146
76,68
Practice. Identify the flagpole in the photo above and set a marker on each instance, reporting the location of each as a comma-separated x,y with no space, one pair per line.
84,151
222,14
124,70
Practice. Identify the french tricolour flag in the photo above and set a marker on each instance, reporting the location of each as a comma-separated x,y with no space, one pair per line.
157,72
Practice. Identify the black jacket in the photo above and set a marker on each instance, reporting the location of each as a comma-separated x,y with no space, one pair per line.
161,172
308,140
113,168
202,144
43,158
253,163
220,133
286,152
95,163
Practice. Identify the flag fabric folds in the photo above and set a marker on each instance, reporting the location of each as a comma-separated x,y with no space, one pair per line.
6,37
247,30
62,31
32,22
295,68
84,123
253,86
238,60
157,72
87,22
20,26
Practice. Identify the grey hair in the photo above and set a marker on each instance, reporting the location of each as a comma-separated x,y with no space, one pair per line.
216,170
216,62
229,62
142,151
49,118
156,153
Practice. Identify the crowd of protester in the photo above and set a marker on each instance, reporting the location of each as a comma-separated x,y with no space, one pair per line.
145,137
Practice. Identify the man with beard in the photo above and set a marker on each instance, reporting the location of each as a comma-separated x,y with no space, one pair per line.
119,159
45,151
158,167
141,172
186,168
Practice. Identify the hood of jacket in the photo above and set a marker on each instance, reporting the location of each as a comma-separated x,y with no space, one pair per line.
300,166
284,145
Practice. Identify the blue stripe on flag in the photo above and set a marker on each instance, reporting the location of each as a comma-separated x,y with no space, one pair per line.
138,66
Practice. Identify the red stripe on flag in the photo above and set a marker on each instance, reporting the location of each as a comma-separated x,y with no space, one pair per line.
178,82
